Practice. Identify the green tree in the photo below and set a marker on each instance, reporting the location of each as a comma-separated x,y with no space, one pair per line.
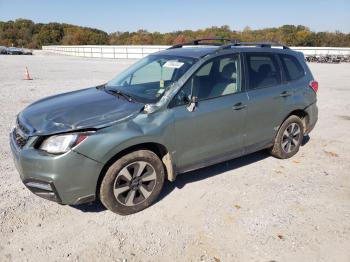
26,33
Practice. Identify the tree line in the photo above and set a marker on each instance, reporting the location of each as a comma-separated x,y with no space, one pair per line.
26,33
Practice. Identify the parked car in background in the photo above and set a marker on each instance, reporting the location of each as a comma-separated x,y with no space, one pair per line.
27,51
14,51
3,50
184,108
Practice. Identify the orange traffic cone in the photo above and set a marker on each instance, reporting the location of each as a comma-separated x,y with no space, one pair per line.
26,75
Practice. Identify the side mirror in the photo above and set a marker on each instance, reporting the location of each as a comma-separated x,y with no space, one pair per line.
193,103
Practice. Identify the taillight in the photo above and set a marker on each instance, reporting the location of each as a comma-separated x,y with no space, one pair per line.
314,85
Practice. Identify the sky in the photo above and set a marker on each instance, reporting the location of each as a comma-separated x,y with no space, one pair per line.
167,16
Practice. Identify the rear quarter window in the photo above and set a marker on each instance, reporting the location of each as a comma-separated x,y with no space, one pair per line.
292,68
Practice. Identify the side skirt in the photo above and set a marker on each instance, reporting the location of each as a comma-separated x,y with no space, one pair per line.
225,157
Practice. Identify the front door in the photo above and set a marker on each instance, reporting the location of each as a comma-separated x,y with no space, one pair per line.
213,131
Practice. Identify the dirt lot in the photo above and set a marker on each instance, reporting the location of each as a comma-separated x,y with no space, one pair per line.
255,208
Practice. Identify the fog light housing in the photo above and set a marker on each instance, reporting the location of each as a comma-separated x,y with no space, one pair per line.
40,185
43,189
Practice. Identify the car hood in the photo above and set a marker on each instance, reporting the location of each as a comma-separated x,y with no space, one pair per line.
82,109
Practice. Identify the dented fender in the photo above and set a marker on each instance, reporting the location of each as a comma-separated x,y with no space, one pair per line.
107,142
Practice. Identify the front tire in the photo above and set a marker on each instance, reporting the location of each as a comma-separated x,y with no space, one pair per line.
289,138
132,183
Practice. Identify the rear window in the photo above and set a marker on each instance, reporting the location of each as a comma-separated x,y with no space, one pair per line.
292,68
263,70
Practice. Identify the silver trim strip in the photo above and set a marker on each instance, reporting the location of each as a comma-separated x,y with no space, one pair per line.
39,185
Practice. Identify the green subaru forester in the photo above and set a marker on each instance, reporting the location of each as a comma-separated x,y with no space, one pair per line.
184,108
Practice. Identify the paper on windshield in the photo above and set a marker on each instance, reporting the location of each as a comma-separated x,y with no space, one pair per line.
161,83
173,64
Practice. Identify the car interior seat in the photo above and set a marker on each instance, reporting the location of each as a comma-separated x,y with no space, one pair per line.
227,84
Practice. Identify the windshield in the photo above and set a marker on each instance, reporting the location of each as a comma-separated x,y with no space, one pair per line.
147,80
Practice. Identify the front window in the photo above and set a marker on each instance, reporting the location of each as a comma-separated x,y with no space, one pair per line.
218,77
147,80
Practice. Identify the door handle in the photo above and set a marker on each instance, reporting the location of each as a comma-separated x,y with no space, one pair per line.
239,106
285,94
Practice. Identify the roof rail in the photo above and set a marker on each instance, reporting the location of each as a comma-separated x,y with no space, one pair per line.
233,43
259,44
197,42
256,44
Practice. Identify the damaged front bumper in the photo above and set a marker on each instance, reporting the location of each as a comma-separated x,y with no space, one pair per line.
70,178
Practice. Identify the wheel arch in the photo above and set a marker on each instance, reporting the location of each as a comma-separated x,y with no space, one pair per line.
160,150
303,115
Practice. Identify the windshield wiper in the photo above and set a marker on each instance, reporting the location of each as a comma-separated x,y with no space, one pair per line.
122,94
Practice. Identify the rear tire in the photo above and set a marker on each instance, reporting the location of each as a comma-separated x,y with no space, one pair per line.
289,138
132,183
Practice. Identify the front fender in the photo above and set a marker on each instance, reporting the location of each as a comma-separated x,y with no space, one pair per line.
144,128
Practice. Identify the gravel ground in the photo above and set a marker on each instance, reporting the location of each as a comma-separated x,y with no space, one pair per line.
255,208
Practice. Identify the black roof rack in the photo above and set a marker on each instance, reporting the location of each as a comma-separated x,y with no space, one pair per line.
256,44
197,42
232,43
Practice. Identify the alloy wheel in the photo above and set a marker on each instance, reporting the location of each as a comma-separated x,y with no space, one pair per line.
291,137
134,183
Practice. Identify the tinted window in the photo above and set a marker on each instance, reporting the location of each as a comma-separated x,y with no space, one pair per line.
217,77
292,67
263,70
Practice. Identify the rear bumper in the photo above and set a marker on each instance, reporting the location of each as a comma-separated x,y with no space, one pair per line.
70,178
312,112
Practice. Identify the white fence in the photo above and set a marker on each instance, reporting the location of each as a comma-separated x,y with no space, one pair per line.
105,51
139,51
322,50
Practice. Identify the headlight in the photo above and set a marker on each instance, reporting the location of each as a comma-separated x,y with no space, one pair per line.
59,144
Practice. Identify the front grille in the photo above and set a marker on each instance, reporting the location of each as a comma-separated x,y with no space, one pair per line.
20,134
20,140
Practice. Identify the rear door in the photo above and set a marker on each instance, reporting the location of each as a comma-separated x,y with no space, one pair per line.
267,96
294,77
